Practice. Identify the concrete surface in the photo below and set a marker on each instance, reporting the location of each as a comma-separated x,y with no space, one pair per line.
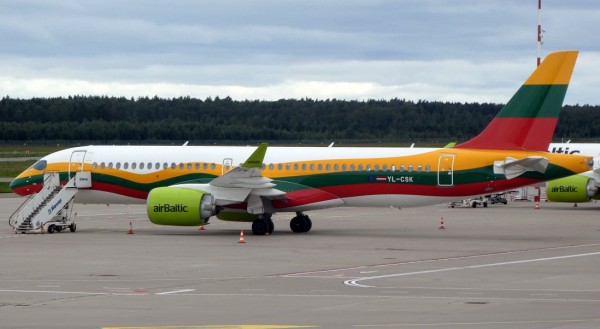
498,267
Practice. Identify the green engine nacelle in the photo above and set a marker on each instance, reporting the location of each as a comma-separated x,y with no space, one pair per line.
179,206
571,189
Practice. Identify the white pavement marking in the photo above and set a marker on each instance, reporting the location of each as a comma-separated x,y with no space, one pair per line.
175,292
354,282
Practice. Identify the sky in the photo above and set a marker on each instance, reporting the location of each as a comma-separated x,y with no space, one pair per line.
434,50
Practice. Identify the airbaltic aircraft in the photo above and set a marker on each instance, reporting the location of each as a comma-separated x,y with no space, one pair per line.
186,185
577,188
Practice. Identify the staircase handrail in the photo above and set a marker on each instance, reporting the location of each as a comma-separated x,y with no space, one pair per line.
47,188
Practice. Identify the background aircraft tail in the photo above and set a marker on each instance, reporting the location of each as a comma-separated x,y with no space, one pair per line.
528,120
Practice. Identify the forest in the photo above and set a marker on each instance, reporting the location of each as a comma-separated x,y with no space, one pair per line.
95,119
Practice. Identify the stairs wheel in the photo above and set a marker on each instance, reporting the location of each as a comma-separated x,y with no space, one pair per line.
51,228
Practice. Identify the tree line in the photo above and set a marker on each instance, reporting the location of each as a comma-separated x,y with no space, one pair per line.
223,120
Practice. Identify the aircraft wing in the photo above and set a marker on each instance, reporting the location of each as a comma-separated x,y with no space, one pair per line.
512,168
243,184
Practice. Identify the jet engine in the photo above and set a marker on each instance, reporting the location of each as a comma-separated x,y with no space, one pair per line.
179,206
572,189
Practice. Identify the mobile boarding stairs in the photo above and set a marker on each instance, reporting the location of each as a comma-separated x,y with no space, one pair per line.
51,208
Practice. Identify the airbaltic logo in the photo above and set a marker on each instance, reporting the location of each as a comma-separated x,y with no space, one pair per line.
170,208
565,189
54,206
565,151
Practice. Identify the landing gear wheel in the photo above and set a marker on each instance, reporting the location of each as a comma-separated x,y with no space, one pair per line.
51,228
260,227
73,227
300,224
270,225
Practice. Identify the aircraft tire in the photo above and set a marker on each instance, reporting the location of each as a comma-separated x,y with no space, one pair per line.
270,226
260,227
300,224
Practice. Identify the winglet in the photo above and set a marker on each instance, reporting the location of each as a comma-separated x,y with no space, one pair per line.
256,159
528,120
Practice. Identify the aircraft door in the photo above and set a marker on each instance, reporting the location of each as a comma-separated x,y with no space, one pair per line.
76,162
227,165
445,175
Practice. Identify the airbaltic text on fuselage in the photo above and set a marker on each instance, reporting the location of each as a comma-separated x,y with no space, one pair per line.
565,189
170,208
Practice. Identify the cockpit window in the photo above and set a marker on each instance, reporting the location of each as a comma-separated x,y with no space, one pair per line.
40,165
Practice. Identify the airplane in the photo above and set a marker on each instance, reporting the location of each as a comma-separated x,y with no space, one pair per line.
188,185
579,188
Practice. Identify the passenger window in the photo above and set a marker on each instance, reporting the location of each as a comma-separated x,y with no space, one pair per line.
384,167
213,166
102,165
118,165
165,165
344,167
133,165
352,167
126,165
427,168
157,166
189,166
197,166
279,166
401,168
303,166
149,166
110,165
181,165
205,166
368,167
141,165
328,167
95,165
419,168
360,167
393,168
312,166
271,166
410,168
336,167
288,166
173,165
376,167
320,167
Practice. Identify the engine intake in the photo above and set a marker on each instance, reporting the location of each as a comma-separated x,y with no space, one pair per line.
571,189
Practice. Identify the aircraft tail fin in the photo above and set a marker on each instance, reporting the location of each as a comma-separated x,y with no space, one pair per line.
528,120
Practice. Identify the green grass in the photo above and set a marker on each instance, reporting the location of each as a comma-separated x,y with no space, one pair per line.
22,151
4,187
13,168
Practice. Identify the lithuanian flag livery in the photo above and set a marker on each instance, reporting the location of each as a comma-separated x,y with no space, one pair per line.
528,120
252,183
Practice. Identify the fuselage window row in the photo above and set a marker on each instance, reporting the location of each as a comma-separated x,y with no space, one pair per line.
279,166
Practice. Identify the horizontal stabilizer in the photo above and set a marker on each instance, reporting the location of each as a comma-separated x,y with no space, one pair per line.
512,168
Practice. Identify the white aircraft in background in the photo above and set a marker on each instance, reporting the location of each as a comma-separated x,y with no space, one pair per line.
577,188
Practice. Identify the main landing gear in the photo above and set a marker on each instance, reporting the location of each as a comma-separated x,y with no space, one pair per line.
301,223
264,225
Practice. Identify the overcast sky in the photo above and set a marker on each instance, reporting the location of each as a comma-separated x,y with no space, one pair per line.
446,50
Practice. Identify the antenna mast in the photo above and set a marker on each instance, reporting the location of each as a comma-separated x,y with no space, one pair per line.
539,31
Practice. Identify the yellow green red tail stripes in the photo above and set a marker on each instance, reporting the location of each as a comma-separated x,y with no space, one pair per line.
528,120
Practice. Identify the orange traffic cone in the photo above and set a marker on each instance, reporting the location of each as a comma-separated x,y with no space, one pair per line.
242,237
202,228
442,227
537,205
130,228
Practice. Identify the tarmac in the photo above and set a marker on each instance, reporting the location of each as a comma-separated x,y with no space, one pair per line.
505,266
